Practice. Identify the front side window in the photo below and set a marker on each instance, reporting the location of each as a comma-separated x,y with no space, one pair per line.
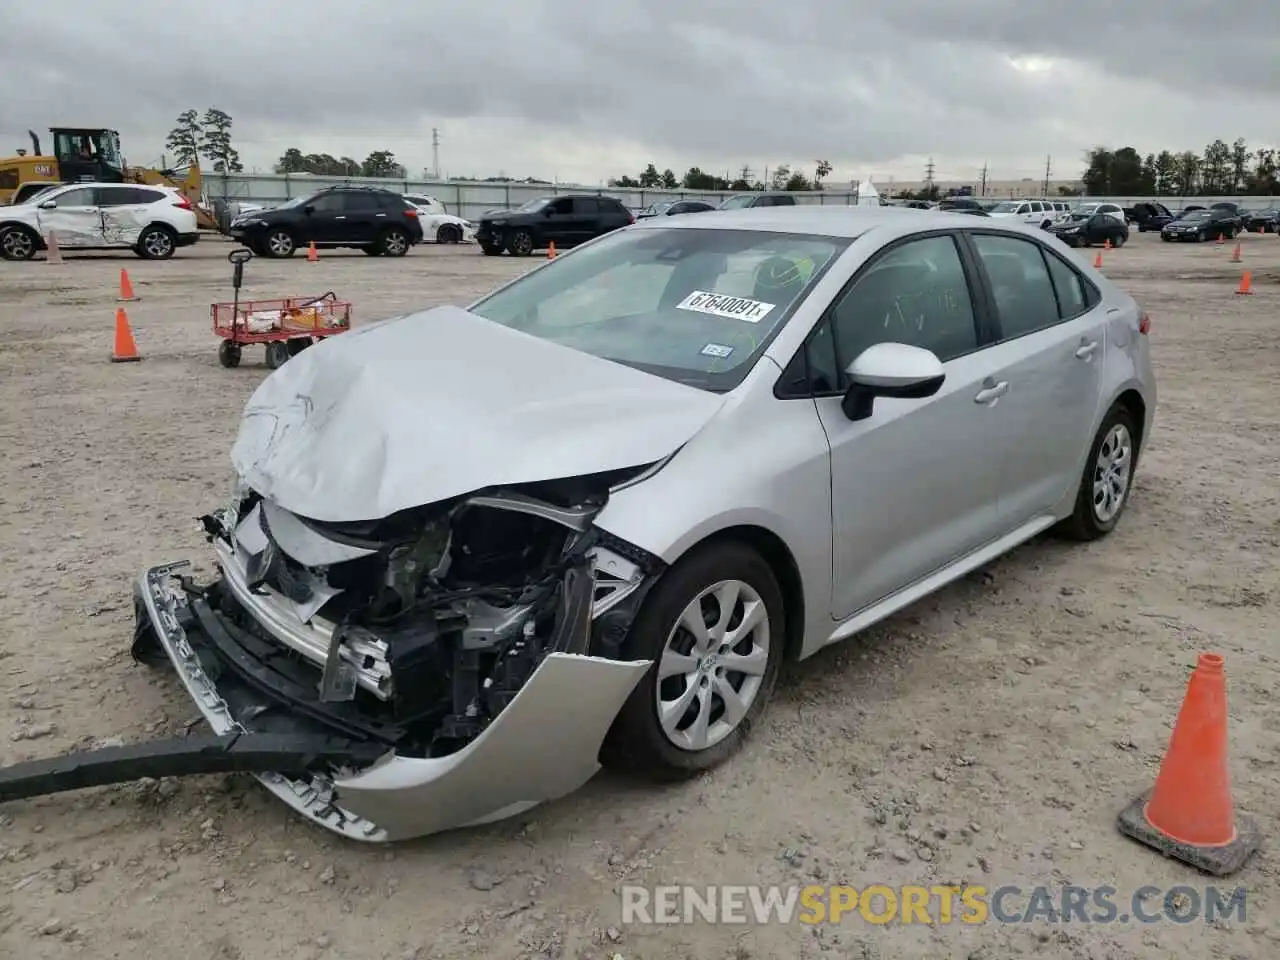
737,203
696,306
915,294
80,197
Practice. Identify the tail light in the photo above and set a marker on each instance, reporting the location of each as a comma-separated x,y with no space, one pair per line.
631,218
411,212
182,203
1144,322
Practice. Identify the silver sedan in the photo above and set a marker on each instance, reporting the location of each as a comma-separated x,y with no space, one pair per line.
591,516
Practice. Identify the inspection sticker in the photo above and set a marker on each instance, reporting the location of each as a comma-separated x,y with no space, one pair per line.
722,305
716,350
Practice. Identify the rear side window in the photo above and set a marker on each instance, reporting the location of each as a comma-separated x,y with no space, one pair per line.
127,196
585,206
393,204
1020,283
361,201
1069,286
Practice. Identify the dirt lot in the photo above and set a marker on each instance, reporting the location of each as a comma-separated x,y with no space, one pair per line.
989,734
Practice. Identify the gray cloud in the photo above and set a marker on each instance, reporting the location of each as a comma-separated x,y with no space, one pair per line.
576,89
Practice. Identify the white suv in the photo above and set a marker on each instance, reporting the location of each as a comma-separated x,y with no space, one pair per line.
152,221
1035,212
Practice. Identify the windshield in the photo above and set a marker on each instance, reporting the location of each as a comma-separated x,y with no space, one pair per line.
695,306
737,203
654,209
1007,206
298,201
531,205
1196,215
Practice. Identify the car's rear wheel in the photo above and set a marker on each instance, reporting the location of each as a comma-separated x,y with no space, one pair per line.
1107,478
156,243
18,243
449,233
394,243
714,627
279,243
521,243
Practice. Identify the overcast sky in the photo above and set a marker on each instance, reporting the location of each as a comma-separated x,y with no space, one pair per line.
579,90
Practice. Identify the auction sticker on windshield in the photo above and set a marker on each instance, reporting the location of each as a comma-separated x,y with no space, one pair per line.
723,305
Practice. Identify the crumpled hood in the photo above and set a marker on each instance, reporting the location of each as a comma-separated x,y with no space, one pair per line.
441,403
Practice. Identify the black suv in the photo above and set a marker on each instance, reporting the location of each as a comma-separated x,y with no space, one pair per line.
376,221
565,221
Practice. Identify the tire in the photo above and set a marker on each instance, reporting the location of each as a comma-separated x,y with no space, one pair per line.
156,242
449,233
394,243
277,354
1089,520
372,251
229,354
18,243
638,740
521,243
279,243
1119,240
490,250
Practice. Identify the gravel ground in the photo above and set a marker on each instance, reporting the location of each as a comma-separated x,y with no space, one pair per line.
988,734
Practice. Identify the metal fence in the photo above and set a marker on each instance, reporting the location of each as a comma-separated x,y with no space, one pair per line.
470,199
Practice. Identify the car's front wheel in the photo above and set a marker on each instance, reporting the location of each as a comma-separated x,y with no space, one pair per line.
714,627
18,243
1107,479
449,233
521,243
279,243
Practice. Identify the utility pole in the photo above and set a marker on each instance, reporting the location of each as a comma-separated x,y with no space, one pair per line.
928,178
435,153
983,188
1048,172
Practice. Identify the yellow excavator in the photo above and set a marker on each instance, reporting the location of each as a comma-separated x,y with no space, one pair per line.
91,155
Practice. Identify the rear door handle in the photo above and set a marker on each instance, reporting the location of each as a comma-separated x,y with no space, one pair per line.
992,393
1086,348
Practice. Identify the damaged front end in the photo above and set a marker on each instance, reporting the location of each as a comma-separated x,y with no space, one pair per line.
475,644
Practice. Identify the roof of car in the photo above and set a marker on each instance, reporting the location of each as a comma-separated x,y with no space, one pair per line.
817,219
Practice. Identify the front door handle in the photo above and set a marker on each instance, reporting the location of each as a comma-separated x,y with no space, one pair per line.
340,217
1086,348
992,393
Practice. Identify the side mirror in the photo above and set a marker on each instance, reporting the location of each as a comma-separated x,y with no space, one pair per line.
890,370
549,212
309,209
49,205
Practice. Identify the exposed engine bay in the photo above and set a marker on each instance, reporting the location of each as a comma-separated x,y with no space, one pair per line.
426,624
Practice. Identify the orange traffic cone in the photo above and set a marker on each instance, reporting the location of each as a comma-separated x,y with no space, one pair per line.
52,254
1235,254
551,250
1246,284
126,350
1189,814
312,256
1097,261
1221,239
1106,244
126,288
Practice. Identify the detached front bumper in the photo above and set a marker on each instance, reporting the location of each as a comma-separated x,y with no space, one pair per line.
544,745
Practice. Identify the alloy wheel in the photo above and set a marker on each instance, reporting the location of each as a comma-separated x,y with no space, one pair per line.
1111,472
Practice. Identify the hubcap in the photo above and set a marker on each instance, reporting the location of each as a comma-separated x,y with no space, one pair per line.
17,244
280,243
712,665
523,243
158,244
394,243
1111,473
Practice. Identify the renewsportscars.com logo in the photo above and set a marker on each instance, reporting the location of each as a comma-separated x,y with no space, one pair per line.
932,905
